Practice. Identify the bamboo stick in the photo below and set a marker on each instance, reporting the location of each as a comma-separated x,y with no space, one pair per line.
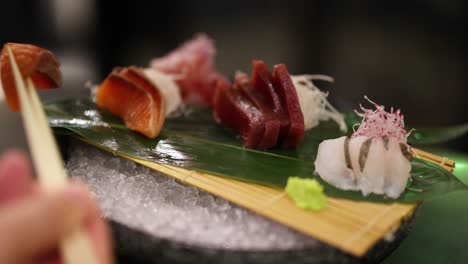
442,161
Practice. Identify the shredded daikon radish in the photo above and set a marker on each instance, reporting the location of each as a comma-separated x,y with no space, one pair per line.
169,88
314,104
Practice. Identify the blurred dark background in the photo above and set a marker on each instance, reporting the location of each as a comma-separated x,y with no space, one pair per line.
407,54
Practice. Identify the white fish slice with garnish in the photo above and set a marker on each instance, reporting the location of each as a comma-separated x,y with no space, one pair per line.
375,159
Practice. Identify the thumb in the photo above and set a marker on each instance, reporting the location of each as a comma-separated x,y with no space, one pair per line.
36,225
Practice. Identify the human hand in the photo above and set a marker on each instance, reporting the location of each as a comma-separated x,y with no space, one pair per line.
33,222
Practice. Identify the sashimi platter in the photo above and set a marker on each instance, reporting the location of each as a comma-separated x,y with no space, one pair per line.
192,166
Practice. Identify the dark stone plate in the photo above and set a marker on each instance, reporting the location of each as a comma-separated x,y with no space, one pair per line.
133,246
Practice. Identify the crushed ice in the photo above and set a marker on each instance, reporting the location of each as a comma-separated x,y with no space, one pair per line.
161,206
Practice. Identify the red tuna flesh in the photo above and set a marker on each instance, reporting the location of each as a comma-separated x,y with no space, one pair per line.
233,110
262,80
272,123
288,96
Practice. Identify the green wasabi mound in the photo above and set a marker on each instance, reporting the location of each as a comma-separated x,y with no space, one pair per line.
306,193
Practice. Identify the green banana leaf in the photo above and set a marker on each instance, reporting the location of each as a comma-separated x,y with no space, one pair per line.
428,136
194,141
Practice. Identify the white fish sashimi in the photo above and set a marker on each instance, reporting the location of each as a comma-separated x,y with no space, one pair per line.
375,165
366,179
398,169
376,157
168,87
331,164
374,173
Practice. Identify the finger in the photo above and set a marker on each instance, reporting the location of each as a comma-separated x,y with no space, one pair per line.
100,233
37,224
100,236
15,176
52,257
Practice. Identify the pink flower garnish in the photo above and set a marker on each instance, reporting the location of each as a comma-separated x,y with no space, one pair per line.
379,123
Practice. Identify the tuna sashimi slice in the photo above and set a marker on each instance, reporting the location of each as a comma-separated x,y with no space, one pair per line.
262,81
272,124
286,91
233,110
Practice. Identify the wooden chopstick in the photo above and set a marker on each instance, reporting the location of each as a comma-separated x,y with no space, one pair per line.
75,248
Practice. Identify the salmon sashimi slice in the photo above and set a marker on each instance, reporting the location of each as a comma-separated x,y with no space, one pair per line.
127,99
233,110
139,77
271,122
34,62
286,91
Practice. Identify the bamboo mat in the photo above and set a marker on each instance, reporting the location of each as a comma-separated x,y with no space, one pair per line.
351,226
